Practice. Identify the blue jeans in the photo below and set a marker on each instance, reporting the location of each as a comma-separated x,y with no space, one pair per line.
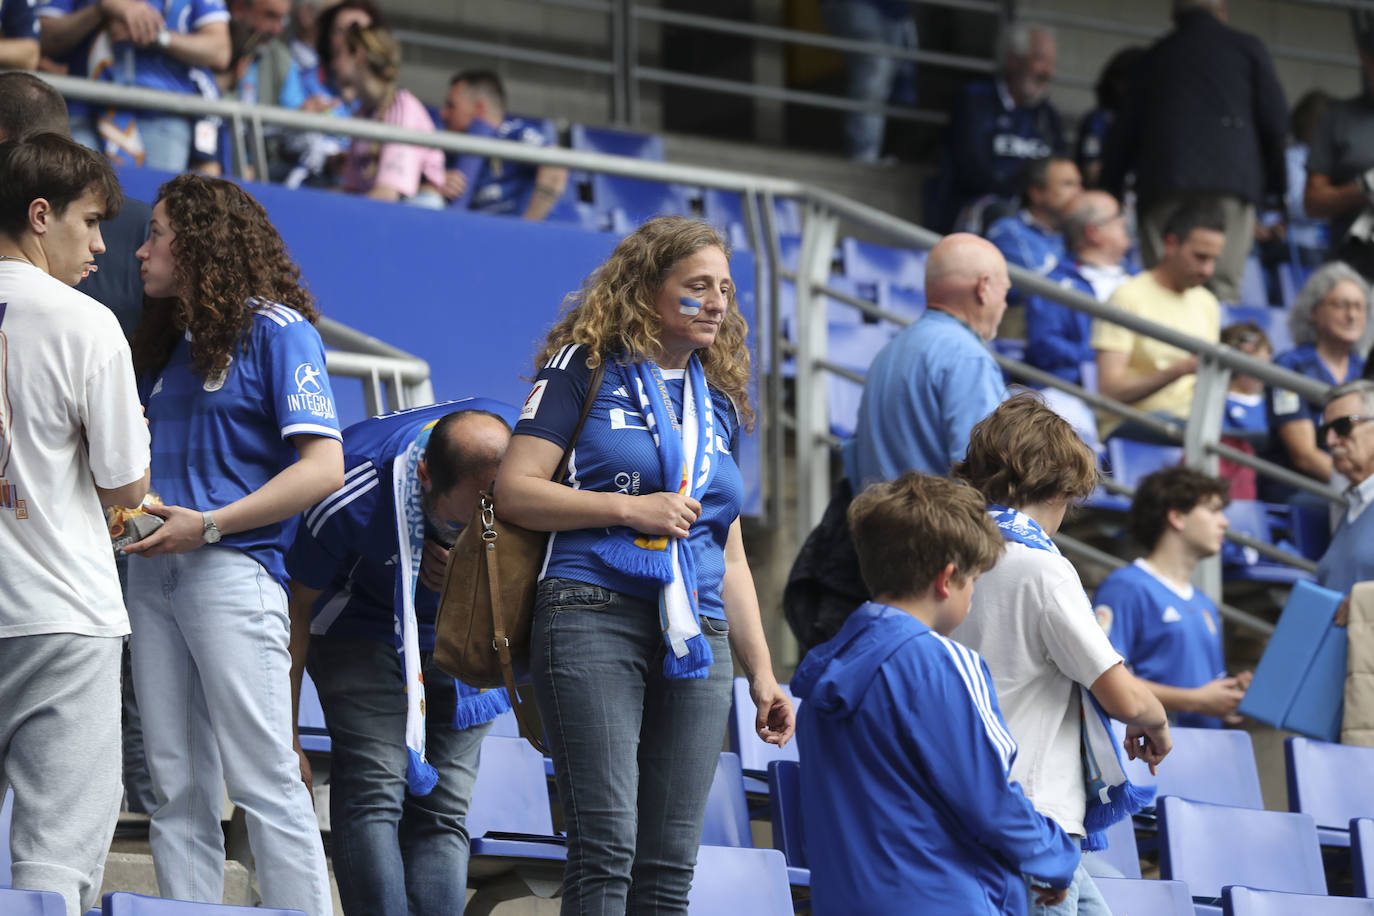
1084,899
166,141
394,853
211,665
634,753
871,77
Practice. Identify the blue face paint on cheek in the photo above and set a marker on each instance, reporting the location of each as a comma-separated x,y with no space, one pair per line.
689,307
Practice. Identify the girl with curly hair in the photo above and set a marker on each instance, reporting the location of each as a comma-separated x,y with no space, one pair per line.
646,589
245,436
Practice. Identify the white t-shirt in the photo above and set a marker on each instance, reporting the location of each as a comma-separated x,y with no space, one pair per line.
1031,621
69,421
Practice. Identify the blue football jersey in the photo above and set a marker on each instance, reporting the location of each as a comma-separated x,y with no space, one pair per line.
1164,635
154,68
216,440
616,453
18,19
504,186
346,546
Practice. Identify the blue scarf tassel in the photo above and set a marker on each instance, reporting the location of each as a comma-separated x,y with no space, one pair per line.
479,707
1122,801
620,552
421,778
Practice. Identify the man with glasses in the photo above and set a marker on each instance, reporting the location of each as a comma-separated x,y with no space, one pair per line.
1348,432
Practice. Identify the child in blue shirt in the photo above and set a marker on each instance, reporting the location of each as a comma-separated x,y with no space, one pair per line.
1167,630
905,758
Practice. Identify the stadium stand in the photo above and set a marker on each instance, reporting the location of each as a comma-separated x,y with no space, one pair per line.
635,199
1329,782
785,809
754,755
727,808
1122,853
1247,901
1133,895
31,903
1210,765
124,904
1209,847
1362,855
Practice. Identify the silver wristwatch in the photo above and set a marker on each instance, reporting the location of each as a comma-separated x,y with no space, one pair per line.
210,533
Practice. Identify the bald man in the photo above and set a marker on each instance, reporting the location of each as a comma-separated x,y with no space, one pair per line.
1059,339
928,387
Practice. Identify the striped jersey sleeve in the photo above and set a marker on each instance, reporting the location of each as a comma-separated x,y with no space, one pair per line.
973,672
329,531
301,392
555,402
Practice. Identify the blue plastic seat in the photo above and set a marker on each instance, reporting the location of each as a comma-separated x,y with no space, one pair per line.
1215,765
1330,782
730,881
1147,898
785,808
754,755
727,808
906,301
1362,855
1122,853
640,199
6,811
723,208
1211,846
119,903
1132,461
314,734
1251,517
851,346
1247,901
1309,526
31,903
1253,291
872,263
510,824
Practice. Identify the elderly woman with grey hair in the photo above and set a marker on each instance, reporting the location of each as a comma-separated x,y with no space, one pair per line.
1329,322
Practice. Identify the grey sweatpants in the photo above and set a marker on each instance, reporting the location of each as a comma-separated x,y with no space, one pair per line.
59,749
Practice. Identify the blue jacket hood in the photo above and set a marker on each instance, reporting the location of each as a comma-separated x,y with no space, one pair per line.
835,676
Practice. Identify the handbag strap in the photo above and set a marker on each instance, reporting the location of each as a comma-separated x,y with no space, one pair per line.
500,641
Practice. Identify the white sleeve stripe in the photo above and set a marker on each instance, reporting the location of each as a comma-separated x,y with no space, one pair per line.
357,491
324,505
553,361
49,12
216,16
1000,740
272,316
290,314
310,429
567,356
358,470
985,691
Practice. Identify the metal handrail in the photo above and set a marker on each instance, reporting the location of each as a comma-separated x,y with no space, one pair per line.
823,212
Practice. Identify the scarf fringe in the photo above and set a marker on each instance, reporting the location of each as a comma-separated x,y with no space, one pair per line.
621,553
421,778
1123,800
695,664
479,707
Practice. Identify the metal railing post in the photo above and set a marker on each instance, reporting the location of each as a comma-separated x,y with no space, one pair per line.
1206,418
819,230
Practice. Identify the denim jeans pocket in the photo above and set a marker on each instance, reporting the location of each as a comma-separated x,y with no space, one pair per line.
713,626
572,595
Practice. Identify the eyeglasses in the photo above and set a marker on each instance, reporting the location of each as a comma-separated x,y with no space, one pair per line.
1341,426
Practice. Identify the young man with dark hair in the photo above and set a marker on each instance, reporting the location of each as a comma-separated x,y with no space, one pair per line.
1057,675
905,759
367,565
1147,373
1165,628
476,104
72,438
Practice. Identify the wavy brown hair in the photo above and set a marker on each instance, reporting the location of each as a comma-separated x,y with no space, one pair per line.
227,255
613,314
1023,453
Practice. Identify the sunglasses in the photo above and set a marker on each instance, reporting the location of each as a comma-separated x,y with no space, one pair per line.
1341,426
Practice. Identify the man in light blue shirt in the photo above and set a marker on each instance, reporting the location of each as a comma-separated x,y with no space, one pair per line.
928,387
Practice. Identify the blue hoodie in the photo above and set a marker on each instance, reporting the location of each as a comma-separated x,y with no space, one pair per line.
907,803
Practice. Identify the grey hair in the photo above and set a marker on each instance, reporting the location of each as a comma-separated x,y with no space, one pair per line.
1188,6
1016,39
1081,215
1361,386
1318,286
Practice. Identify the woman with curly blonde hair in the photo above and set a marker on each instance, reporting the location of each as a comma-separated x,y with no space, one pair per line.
646,589
245,436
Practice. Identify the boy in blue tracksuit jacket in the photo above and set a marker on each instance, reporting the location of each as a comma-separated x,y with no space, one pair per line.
904,755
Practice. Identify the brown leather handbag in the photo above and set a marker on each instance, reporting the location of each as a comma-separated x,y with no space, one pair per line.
487,605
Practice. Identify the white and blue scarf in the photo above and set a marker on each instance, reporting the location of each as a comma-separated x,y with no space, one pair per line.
685,450
1111,795
473,706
